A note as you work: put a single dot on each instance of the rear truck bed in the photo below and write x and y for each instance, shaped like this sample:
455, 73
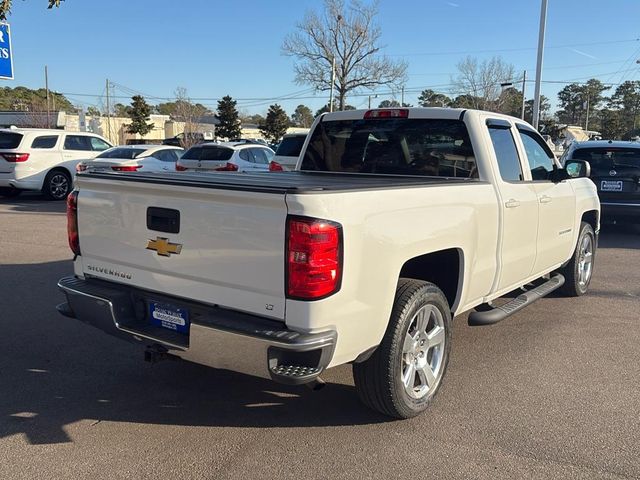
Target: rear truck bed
194, 266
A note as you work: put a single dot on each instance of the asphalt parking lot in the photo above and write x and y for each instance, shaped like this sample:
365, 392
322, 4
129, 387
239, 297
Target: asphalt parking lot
552, 392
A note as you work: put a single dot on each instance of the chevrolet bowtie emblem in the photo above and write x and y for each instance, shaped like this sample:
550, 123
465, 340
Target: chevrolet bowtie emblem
164, 247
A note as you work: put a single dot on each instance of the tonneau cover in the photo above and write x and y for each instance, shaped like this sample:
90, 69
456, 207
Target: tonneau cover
281, 182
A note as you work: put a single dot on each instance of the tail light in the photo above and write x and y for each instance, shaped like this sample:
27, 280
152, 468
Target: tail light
72, 222
127, 168
387, 113
314, 258
16, 157
81, 167
229, 167
275, 167
180, 168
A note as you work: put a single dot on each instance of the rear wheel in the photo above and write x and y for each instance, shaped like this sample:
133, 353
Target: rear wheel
9, 192
579, 270
402, 376
57, 185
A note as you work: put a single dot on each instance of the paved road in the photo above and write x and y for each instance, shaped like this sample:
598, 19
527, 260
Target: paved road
553, 392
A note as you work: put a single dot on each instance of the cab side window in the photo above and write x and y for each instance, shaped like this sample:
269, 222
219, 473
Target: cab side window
506, 152
540, 158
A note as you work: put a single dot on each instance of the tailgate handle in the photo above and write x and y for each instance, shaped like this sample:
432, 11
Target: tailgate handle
163, 220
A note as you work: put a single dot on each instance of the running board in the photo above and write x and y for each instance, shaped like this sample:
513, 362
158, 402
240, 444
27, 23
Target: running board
496, 314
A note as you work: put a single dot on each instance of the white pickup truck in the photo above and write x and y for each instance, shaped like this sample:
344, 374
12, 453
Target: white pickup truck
395, 221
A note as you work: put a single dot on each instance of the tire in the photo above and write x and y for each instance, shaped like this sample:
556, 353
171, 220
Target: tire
9, 192
379, 379
578, 272
57, 185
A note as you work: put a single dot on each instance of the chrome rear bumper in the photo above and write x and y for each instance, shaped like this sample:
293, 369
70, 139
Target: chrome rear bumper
217, 337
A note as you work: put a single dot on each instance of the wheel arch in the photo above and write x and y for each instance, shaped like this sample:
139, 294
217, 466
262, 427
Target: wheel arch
592, 217
60, 168
443, 268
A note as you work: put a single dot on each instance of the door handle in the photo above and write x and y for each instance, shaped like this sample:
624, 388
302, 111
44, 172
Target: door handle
545, 199
512, 203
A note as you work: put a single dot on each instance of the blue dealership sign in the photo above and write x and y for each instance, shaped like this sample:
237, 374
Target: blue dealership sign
6, 58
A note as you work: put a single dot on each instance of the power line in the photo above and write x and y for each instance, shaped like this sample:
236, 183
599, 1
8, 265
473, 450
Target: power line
555, 67
469, 52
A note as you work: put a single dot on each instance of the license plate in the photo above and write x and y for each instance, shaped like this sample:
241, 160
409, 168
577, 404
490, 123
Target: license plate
169, 317
611, 185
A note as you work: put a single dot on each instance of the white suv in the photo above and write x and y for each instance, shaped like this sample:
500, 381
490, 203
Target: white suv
45, 160
243, 157
289, 150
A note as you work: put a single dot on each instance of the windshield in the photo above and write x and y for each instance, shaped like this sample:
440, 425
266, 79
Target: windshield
208, 153
393, 146
603, 157
127, 153
291, 146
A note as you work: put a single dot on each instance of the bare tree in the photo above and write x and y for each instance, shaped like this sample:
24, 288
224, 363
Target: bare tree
481, 81
348, 34
189, 113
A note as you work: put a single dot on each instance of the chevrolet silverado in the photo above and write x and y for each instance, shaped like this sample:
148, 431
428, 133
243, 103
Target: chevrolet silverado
394, 221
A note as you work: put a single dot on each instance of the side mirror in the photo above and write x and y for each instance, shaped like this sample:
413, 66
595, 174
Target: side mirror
577, 168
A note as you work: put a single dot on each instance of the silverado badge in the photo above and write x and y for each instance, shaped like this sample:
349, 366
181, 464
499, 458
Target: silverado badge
164, 247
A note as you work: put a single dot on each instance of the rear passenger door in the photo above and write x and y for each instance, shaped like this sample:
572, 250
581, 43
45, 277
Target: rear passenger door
76, 148
163, 160
556, 203
261, 160
519, 206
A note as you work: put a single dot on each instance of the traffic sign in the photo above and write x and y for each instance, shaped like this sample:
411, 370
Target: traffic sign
6, 57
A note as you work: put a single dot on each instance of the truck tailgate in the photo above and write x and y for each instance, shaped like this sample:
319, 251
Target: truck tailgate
228, 250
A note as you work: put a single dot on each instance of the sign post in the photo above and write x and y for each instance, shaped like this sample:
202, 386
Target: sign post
6, 55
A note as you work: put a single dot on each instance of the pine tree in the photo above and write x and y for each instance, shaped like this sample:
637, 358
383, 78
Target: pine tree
302, 116
276, 124
139, 112
229, 126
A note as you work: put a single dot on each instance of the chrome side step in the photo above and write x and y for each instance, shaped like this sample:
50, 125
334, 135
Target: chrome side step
496, 314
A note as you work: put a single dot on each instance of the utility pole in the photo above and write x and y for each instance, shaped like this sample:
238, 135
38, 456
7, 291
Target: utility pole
524, 85
108, 111
333, 80
536, 98
46, 86
402, 97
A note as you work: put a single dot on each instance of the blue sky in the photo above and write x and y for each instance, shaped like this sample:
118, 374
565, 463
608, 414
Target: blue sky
215, 48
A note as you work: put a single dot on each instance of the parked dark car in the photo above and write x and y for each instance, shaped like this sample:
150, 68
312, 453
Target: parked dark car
615, 169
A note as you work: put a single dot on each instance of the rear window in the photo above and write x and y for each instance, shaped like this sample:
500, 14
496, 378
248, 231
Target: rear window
394, 146
208, 153
10, 139
127, 153
609, 157
291, 146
